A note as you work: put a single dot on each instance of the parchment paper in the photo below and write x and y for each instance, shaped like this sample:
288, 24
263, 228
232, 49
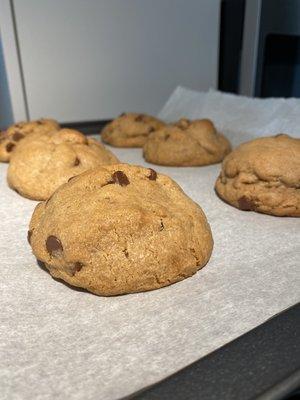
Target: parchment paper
60, 343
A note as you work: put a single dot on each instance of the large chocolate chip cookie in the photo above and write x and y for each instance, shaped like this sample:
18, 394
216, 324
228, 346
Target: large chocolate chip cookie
130, 130
263, 175
10, 138
120, 229
186, 143
41, 163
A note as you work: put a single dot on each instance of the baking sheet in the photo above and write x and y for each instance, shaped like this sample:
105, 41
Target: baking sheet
62, 343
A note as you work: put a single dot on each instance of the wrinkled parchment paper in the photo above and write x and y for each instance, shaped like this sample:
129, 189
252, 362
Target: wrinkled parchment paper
61, 343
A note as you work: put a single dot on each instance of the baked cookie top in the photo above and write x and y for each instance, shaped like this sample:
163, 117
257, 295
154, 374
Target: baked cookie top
120, 229
12, 135
42, 162
130, 130
186, 143
263, 175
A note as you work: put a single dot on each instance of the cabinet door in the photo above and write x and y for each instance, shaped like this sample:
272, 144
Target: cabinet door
92, 59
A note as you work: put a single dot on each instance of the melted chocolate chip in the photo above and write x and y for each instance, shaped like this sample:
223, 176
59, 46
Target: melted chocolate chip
17, 136
74, 268
76, 162
53, 245
77, 267
139, 118
29, 234
126, 253
9, 147
246, 204
120, 178
153, 175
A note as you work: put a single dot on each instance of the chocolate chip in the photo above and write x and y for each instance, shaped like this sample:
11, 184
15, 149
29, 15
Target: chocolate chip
153, 175
77, 267
29, 234
246, 204
76, 162
9, 147
151, 129
167, 136
120, 178
53, 245
139, 118
73, 268
126, 253
39, 122
17, 136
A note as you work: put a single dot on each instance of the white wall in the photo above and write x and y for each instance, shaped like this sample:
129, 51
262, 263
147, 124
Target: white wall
12, 99
92, 59
6, 114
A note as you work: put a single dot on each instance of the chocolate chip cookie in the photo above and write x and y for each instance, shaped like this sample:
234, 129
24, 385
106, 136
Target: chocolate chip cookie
120, 229
263, 175
12, 136
130, 130
41, 163
186, 143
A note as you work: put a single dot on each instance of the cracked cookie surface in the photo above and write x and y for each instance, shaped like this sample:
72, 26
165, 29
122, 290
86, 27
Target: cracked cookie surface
263, 175
41, 163
130, 130
120, 229
11, 137
186, 143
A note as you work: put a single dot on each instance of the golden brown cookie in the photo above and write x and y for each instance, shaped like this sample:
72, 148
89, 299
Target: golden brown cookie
41, 163
263, 175
12, 136
186, 143
130, 130
120, 229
